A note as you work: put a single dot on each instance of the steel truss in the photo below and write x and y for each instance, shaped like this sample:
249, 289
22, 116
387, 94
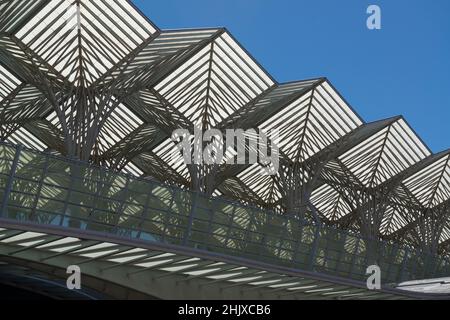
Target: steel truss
98, 82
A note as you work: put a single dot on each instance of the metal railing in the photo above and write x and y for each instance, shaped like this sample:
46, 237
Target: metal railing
44, 189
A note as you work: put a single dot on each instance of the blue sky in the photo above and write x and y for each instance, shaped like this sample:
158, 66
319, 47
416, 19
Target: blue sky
404, 68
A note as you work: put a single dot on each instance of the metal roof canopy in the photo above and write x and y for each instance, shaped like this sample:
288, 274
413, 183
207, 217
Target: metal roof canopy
98, 81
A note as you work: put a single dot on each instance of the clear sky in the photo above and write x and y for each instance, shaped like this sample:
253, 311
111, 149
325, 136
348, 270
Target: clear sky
404, 68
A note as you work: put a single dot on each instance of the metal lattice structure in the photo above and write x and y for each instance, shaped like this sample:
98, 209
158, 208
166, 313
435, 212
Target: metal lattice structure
98, 82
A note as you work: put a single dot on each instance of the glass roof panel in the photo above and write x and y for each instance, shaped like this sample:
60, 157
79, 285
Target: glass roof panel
25, 236
8, 83
385, 154
431, 185
132, 169
84, 39
168, 47
312, 123
393, 220
216, 82
264, 186
306, 126
25, 138
26, 103
169, 153
330, 203
14, 12
119, 125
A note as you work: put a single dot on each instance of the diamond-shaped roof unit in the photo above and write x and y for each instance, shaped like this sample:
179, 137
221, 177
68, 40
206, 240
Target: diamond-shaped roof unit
97, 81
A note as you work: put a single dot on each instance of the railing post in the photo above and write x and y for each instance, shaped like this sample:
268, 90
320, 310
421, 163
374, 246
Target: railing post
144, 214
394, 254
122, 201
299, 241
316, 236
315, 247
401, 275
341, 252
414, 265
283, 234
72, 172
434, 272
230, 226
40, 186
187, 235
10, 182
355, 253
